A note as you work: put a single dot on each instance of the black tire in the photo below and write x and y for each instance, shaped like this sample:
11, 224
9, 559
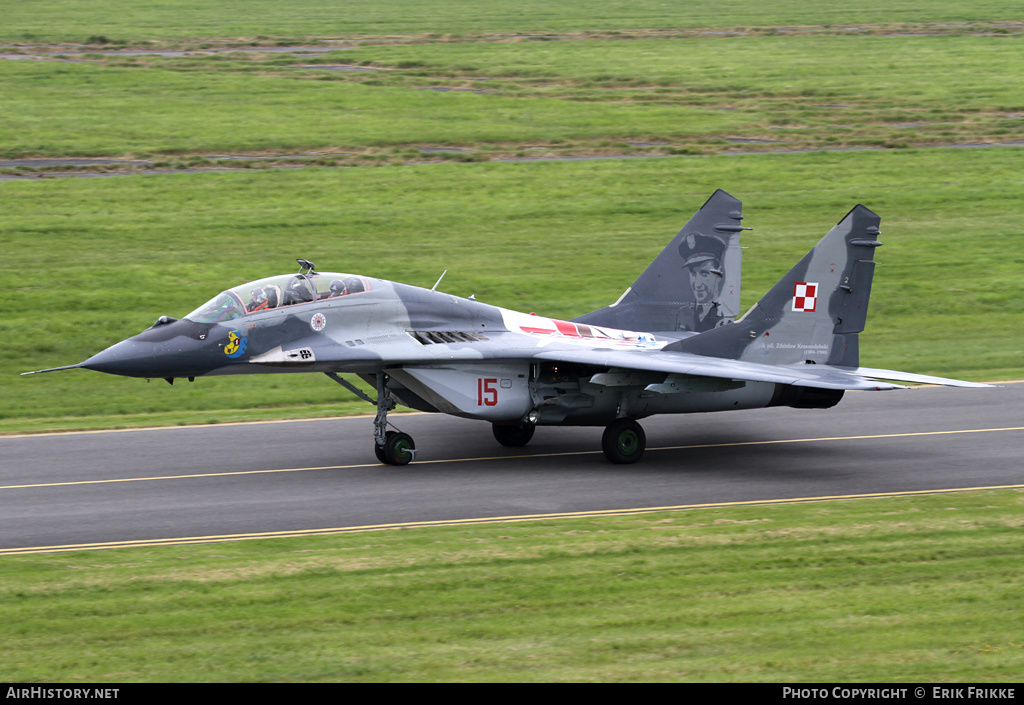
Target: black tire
623, 442
398, 449
379, 450
513, 436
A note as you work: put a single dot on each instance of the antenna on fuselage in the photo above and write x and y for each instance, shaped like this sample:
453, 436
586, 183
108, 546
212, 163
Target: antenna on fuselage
434, 288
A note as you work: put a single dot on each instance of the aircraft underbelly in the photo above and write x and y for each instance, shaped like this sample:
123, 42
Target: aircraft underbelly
595, 405
492, 392
752, 395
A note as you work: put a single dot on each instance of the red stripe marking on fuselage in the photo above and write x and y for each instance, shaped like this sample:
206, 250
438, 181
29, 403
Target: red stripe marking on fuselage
566, 328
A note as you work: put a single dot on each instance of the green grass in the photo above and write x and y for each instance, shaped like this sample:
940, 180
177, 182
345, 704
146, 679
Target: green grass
82, 110
906, 70
103, 258
919, 589
692, 93
126, 21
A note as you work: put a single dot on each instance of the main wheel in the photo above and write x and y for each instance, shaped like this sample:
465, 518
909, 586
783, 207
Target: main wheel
513, 436
399, 449
623, 441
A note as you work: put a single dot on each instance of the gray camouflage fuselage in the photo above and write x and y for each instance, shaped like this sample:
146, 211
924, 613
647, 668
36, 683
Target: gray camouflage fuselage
441, 352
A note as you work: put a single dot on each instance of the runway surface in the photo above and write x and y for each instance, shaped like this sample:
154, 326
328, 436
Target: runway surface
86, 490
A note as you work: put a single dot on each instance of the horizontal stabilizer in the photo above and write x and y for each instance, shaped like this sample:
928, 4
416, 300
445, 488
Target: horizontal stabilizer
896, 375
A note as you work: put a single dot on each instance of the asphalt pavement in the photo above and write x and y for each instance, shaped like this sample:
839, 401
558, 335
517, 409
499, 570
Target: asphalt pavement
240, 481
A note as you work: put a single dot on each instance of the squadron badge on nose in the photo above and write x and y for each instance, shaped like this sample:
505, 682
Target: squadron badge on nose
236, 344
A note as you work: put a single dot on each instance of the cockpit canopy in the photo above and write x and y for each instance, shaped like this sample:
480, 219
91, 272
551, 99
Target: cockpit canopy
276, 292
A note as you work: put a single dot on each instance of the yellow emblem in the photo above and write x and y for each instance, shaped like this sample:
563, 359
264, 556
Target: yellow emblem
236, 344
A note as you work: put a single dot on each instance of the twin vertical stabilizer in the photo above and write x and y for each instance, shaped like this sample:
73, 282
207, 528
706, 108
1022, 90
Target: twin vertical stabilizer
814, 313
693, 285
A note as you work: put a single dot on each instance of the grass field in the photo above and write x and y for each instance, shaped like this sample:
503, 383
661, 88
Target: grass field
215, 112
919, 589
905, 590
128, 21
694, 95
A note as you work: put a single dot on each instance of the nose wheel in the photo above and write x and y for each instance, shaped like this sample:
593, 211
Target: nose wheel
398, 449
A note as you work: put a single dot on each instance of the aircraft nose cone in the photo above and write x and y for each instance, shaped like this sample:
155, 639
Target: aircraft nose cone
124, 358
171, 350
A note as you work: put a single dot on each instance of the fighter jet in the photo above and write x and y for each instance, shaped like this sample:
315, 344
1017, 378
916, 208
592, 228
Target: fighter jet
670, 344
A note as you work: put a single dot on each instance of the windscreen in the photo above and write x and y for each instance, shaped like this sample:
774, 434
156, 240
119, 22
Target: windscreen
223, 307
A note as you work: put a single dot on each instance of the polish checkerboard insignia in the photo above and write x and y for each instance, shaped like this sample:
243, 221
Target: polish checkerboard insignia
805, 296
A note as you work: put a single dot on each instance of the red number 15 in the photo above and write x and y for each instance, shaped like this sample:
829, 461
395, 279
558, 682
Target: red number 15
486, 392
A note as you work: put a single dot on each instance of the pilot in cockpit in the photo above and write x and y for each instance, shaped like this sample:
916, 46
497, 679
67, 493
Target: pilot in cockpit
258, 300
298, 292
350, 285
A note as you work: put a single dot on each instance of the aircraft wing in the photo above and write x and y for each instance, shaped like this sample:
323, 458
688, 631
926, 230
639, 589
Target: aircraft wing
800, 375
509, 346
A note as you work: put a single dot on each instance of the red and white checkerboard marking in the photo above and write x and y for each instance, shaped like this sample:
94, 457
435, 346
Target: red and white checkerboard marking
805, 296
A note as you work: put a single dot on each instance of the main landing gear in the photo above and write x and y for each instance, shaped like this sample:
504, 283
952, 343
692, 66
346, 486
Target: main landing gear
623, 441
513, 436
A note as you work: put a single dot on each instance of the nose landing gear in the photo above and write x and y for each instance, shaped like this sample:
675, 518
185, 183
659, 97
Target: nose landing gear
390, 447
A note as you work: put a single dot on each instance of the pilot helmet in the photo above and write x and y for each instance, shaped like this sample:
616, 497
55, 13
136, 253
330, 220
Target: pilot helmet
354, 285
338, 288
259, 295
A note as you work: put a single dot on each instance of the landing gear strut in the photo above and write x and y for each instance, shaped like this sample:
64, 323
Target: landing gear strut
623, 441
390, 447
